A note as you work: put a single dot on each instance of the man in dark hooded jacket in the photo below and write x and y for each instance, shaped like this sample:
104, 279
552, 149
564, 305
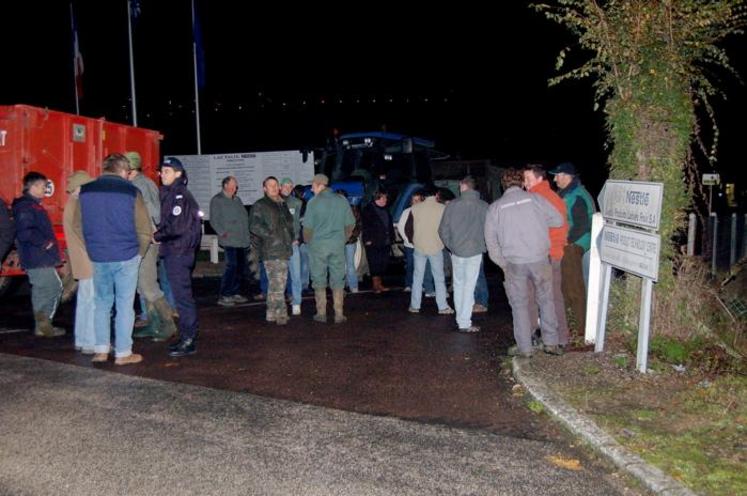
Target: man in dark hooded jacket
39, 252
179, 234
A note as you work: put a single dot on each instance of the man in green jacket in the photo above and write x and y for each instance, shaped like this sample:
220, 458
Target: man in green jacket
230, 221
271, 223
327, 225
574, 265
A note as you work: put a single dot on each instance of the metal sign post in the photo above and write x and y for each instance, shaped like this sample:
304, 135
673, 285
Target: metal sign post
602, 324
644, 324
711, 180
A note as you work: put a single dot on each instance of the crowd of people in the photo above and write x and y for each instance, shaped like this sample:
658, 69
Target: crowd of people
126, 235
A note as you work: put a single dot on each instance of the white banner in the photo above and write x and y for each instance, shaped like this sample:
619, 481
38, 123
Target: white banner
206, 172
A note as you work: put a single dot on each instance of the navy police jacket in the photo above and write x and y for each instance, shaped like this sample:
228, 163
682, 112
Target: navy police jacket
179, 231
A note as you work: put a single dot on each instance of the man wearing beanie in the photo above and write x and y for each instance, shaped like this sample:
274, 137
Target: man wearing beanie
160, 323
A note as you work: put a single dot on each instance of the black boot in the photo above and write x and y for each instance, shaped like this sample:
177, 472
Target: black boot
183, 348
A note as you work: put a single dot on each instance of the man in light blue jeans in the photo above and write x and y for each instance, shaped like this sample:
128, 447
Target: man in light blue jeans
351, 273
462, 230
437, 269
295, 205
85, 307
465, 271
422, 228
115, 283
294, 270
114, 223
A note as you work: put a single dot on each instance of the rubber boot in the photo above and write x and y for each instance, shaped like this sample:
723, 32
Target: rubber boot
320, 295
150, 329
43, 327
338, 297
167, 327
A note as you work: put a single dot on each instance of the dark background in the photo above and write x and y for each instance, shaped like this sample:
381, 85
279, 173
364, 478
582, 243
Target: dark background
472, 77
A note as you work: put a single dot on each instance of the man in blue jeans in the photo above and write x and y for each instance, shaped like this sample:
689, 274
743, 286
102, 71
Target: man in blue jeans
294, 264
481, 291
462, 232
422, 228
117, 230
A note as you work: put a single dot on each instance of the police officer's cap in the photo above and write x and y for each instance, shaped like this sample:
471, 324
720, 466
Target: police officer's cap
173, 162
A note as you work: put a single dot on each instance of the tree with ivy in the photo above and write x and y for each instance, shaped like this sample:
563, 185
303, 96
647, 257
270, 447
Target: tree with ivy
654, 66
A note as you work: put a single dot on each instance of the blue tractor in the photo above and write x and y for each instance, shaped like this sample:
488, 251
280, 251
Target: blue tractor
363, 162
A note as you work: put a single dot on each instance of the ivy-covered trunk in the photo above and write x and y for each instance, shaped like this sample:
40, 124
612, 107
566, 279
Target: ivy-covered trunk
648, 61
651, 135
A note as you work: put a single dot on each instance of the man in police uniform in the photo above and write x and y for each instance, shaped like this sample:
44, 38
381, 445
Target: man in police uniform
327, 225
179, 234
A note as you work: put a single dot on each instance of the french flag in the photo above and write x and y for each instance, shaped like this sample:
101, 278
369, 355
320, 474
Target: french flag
77, 60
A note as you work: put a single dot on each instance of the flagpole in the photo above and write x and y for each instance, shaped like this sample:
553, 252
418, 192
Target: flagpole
132, 65
75, 62
197, 89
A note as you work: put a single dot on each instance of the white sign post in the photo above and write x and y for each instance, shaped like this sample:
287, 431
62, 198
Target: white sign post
593, 289
629, 242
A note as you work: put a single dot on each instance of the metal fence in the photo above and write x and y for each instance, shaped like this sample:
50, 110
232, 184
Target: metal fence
722, 240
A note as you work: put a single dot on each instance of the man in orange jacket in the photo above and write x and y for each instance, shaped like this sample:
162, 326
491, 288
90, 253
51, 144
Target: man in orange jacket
535, 181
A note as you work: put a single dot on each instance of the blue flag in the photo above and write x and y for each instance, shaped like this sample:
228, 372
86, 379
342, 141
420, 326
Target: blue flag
134, 10
199, 49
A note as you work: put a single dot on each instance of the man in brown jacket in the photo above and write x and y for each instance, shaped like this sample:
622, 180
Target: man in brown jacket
80, 265
422, 228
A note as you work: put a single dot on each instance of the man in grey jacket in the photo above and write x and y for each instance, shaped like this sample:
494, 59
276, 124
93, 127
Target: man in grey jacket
160, 322
462, 232
229, 219
518, 240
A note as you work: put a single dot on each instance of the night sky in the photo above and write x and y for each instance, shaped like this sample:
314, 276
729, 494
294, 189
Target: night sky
471, 77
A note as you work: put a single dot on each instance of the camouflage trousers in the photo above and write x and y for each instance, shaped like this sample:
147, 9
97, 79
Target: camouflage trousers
277, 275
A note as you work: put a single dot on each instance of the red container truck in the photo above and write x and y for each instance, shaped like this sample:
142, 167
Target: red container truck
56, 144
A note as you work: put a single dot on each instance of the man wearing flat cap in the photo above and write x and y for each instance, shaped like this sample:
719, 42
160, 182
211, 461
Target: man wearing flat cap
327, 226
160, 323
